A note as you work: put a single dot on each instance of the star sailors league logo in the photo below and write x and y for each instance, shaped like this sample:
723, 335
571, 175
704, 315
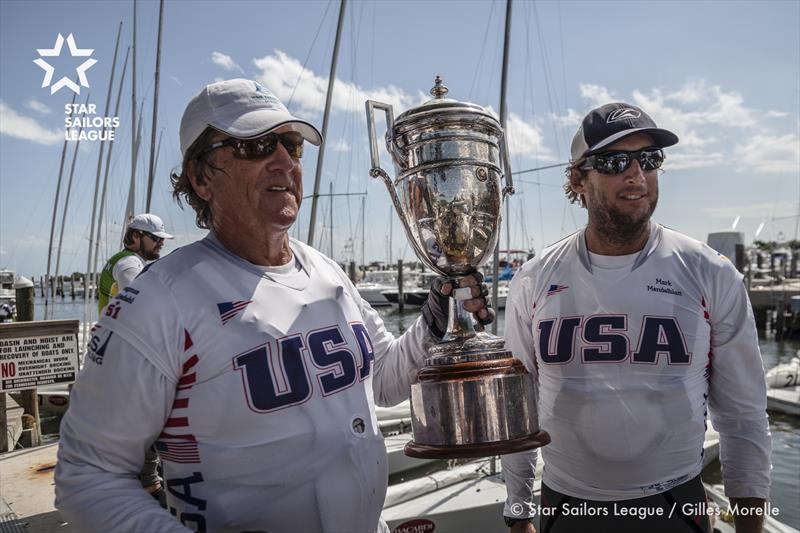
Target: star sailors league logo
74, 51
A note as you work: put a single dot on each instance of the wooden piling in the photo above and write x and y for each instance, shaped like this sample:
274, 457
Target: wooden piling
351, 271
400, 296
29, 401
3, 423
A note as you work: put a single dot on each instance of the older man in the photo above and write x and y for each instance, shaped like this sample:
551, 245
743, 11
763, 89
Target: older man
634, 332
248, 357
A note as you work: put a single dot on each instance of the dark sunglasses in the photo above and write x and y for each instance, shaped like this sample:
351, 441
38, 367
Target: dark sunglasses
262, 147
620, 161
157, 240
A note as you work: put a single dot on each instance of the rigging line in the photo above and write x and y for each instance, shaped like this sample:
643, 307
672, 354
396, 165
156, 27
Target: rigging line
482, 50
537, 183
308, 56
537, 169
372, 48
563, 62
498, 54
547, 75
529, 62
355, 37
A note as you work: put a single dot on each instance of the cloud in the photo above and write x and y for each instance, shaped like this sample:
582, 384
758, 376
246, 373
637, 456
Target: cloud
15, 125
771, 154
570, 120
225, 61
340, 145
681, 160
525, 138
36, 105
751, 210
596, 94
306, 91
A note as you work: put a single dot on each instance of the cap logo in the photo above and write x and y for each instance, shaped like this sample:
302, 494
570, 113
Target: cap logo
267, 97
623, 114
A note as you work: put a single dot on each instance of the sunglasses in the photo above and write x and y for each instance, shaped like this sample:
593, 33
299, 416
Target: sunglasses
157, 240
620, 161
262, 147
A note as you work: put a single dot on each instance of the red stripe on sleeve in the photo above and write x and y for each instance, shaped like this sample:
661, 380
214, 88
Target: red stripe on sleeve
190, 363
180, 403
180, 421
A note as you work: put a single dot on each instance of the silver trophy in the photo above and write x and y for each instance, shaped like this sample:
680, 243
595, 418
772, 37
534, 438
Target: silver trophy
472, 398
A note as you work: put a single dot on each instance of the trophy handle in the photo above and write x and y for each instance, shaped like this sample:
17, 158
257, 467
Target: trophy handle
376, 171
508, 190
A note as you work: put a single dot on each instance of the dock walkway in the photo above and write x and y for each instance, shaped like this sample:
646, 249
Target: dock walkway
26, 492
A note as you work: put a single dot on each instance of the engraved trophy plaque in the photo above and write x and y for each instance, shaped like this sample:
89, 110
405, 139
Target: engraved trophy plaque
472, 398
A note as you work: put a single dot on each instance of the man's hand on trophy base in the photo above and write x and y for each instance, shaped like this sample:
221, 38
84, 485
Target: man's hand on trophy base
470, 289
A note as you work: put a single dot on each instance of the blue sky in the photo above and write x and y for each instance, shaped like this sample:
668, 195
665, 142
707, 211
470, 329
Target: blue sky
723, 75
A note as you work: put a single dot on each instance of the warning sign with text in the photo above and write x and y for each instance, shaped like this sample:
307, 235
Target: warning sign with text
33, 354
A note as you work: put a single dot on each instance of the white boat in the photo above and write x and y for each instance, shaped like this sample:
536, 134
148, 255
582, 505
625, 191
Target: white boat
7, 293
784, 375
785, 400
468, 497
411, 284
374, 284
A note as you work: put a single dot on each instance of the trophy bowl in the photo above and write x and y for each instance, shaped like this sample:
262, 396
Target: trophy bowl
472, 398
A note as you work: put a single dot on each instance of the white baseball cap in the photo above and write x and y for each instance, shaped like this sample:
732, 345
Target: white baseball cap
150, 223
241, 108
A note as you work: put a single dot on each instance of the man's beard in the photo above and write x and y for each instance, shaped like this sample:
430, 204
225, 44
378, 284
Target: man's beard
149, 255
618, 228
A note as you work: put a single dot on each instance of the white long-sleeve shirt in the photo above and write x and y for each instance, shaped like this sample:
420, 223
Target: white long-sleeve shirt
256, 386
628, 366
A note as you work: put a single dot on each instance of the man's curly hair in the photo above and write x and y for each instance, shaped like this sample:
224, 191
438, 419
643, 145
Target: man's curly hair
574, 175
200, 164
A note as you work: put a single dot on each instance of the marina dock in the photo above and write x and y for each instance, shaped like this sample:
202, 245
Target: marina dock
26, 498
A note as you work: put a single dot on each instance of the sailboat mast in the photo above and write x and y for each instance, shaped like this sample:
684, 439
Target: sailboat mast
66, 199
503, 123
100, 215
329, 95
53, 221
87, 286
151, 172
134, 129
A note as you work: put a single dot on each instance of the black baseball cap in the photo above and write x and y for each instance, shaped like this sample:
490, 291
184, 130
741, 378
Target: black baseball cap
609, 123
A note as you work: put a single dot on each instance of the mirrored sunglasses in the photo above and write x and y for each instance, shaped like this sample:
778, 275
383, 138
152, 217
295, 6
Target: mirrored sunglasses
262, 147
152, 237
621, 160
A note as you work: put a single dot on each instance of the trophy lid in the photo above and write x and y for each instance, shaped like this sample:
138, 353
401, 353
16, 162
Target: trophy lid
441, 106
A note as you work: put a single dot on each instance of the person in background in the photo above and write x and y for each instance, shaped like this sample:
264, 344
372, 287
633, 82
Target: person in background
634, 333
143, 240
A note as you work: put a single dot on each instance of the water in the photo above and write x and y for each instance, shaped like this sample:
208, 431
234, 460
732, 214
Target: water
785, 492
